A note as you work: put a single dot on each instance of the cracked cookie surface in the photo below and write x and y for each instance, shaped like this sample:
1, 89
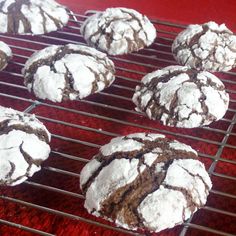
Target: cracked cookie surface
145, 181
23, 146
118, 31
31, 16
5, 55
209, 47
71, 72
181, 97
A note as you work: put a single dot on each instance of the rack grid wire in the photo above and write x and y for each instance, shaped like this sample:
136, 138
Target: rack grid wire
79, 128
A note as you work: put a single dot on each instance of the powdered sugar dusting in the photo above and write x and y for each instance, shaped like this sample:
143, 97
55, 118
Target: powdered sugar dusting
188, 172
182, 97
162, 209
19, 118
64, 77
118, 31
88, 170
181, 146
21, 152
40, 55
48, 84
167, 206
172, 187
128, 143
120, 144
206, 47
32, 17
121, 172
149, 158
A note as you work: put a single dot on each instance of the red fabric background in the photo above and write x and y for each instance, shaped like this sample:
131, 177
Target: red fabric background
181, 11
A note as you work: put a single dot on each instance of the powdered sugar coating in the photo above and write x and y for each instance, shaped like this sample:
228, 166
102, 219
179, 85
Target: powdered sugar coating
5, 55
119, 173
41, 55
181, 97
168, 204
66, 72
23, 146
181, 146
119, 144
114, 179
123, 144
88, 170
195, 179
118, 31
206, 47
32, 16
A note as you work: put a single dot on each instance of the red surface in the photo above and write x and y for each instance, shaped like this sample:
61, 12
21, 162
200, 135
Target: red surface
182, 11
176, 11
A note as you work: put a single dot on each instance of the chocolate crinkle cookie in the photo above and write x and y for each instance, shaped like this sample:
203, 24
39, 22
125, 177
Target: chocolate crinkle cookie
71, 72
145, 181
209, 47
31, 16
5, 55
182, 97
118, 31
23, 146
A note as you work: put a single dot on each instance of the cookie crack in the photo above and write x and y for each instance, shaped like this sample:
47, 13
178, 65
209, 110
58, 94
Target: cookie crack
57, 22
137, 19
1, 7
109, 36
10, 173
152, 86
148, 146
106, 160
199, 176
28, 158
69, 88
123, 203
44, 19
15, 16
97, 79
102, 30
171, 117
191, 204
194, 176
5, 128
157, 112
194, 40
221, 40
60, 53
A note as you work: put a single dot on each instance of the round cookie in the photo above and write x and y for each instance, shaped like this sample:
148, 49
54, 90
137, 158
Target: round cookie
118, 31
5, 55
182, 97
209, 47
145, 181
23, 146
31, 16
71, 72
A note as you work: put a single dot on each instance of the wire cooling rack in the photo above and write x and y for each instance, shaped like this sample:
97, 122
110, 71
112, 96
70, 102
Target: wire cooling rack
79, 128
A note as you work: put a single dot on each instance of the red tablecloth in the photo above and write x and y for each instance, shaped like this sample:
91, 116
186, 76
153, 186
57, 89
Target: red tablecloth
182, 11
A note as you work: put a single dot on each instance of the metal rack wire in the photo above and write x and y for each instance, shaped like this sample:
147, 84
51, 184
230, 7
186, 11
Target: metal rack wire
114, 108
